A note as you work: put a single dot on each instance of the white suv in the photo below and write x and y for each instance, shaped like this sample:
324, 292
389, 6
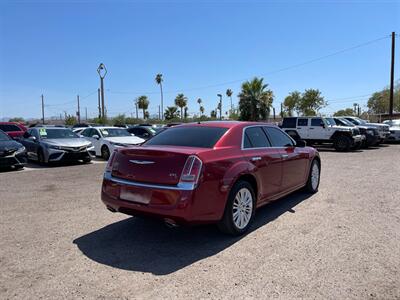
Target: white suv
319, 130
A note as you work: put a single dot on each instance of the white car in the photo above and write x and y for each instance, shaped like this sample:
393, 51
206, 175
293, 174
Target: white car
394, 130
106, 139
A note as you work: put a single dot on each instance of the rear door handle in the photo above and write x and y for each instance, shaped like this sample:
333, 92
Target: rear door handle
256, 158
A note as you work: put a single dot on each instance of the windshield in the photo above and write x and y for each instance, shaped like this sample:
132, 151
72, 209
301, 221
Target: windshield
330, 121
346, 122
48, 133
199, 137
3, 136
114, 132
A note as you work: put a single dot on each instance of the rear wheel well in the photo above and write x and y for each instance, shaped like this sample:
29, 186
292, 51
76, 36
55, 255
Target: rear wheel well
250, 179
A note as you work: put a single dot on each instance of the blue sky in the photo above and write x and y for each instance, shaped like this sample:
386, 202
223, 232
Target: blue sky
201, 47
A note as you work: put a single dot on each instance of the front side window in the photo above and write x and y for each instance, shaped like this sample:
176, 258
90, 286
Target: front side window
9, 127
302, 122
289, 123
316, 122
194, 136
114, 132
255, 138
278, 137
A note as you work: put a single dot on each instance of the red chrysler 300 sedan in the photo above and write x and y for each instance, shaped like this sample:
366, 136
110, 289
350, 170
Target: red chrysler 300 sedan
209, 172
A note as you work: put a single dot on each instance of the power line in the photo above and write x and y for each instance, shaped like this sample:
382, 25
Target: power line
264, 74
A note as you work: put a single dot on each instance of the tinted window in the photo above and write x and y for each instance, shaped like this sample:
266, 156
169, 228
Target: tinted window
289, 123
278, 138
256, 138
114, 132
46, 133
302, 122
202, 137
9, 127
316, 122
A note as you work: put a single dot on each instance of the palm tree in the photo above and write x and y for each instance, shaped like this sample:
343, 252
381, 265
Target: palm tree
159, 81
181, 102
255, 100
143, 103
171, 113
229, 94
201, 110
199, 101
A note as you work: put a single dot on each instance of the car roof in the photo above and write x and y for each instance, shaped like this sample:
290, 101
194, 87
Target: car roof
225, 124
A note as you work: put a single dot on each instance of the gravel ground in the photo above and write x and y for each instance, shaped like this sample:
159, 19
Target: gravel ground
59, 241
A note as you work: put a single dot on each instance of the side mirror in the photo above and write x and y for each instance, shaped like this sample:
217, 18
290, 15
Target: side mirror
301, 143
96, 137
32, 138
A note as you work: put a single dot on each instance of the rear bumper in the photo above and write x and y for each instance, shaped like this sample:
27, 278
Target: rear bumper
157, 201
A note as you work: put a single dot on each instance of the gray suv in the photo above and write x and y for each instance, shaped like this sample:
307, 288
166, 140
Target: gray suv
53, 144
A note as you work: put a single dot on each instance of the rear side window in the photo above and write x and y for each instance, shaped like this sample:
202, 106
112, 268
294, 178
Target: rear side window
196, 136
278, 138
302, 122
9, 127
316, 122
289, 123
255, 138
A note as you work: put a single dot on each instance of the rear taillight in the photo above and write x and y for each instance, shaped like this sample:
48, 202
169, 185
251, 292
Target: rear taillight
110, 162
192, 170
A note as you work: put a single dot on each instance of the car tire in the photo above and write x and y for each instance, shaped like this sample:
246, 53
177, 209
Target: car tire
239, 210
87, 160
313, 177
342, 143
105, 152
40, 157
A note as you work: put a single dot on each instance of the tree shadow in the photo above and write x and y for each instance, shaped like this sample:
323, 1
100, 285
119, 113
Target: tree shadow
145, 245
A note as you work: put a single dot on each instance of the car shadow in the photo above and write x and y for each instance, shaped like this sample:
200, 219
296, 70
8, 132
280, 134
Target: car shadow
145, 245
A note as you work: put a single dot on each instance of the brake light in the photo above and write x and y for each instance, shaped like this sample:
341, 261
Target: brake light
192, 170
110, 162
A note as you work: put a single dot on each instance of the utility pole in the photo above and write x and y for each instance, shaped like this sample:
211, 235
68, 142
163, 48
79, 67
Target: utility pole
86, 114
391, 78
136, 107
358, 110
159, 112
220, 106
281, 110
42, 109
273, 110
99, 105
79, 110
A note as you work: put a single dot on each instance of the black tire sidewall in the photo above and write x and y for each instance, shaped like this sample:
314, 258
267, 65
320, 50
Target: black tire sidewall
104, 149
309, 184
345, 139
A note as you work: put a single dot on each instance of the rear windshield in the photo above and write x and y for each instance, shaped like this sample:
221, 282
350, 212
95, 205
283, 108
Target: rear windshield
199, 137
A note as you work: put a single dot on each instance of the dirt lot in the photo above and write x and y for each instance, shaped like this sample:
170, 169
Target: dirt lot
59, 241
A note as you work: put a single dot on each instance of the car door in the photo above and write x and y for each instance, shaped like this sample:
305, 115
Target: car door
267, 161
30, 144
295, 159
88, 134
302, 127
317, 129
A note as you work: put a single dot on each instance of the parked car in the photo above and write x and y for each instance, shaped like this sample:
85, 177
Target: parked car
14, 129
54, 144
382, 128
12, 153
318, 130
394, 130
371, 134
106, 139
211, 172
144, 132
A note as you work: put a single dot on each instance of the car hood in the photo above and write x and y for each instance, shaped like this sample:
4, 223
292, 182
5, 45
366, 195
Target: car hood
132, 140
72, 142
379, 125
9, 145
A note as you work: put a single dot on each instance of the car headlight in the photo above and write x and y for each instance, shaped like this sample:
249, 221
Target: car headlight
118, 144
20, 150
369, 131
53, 147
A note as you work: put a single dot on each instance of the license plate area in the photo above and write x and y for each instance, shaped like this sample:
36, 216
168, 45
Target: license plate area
133, 195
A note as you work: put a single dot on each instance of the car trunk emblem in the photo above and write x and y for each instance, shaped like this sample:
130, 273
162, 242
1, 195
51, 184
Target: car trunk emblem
142, 162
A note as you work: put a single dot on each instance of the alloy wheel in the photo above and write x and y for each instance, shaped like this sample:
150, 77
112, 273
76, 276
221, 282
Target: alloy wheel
242, 208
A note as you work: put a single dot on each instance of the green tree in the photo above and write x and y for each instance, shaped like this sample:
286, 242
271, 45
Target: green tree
213, 114
344, 112
171, 113
199, 101
311, 102
378, 103
143, 104
159, 81
70, 120
119, 120
181, 102
291, 102
255, 100
201, 110
17, 119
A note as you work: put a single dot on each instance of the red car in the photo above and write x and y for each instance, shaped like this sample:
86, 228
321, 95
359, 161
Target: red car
13, 129
211, 172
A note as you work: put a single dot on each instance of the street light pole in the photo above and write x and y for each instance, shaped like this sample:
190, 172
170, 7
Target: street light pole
42, 109
102, 71
79, 110
220, 106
